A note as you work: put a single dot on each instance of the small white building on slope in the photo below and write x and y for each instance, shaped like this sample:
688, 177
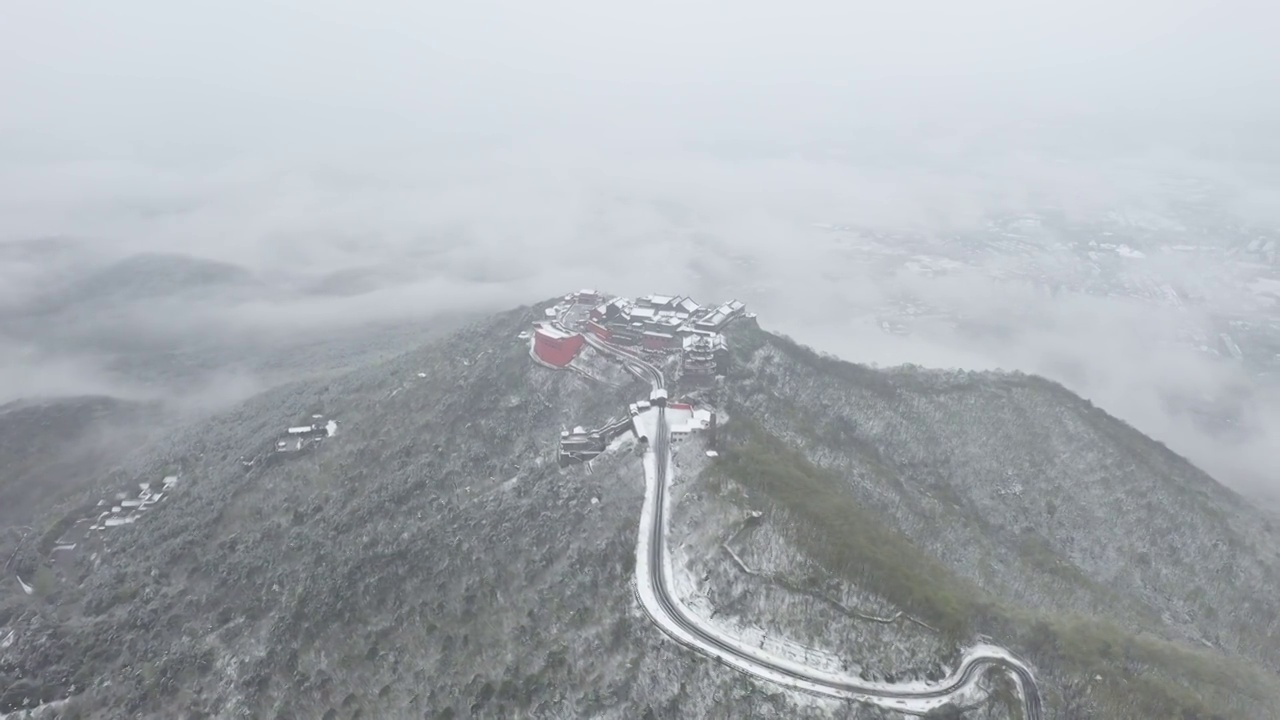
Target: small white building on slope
682, 420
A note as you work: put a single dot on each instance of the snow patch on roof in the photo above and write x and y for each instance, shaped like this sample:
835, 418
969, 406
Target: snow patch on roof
553, 332
646, 423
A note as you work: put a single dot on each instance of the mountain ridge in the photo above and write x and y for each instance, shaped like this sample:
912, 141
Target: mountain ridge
1026, 536
437, 535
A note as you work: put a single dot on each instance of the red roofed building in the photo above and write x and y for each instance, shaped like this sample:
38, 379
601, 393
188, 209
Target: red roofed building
599, 330
554, 346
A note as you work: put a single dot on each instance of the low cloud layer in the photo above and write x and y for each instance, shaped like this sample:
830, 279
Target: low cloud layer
390, 164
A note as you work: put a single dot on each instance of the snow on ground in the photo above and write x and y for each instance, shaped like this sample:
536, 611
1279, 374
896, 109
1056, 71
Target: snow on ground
757, 656
754, 635
646, 424
622, 442
49, 710
1265, 287
649, 601
754, 659
691, 592
598, 366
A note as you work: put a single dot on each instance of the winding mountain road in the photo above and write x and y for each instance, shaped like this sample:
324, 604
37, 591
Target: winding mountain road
655, 587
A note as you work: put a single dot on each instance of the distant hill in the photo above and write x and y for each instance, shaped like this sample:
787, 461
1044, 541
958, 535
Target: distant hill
51, 449
151, 276
39, 266
43, 249
353, 281
141, 295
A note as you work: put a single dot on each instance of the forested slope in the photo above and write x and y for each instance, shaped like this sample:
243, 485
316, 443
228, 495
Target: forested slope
1003, 504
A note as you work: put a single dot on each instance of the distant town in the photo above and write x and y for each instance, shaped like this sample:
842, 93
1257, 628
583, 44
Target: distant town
660, 329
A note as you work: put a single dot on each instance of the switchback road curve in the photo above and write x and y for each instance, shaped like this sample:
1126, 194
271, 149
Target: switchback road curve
654, 586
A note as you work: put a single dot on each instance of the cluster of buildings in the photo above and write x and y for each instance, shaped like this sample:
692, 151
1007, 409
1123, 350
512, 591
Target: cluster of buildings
654, 325
289, 443
85, 530
659, 322
126, 510
580, 445
683, 420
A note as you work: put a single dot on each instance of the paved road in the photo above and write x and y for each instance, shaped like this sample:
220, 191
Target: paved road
682, 626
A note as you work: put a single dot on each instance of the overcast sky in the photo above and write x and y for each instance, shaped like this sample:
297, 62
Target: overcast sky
151, 106
466, 153
160, 77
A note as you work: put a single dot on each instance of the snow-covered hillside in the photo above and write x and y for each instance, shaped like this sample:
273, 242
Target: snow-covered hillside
431, 559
